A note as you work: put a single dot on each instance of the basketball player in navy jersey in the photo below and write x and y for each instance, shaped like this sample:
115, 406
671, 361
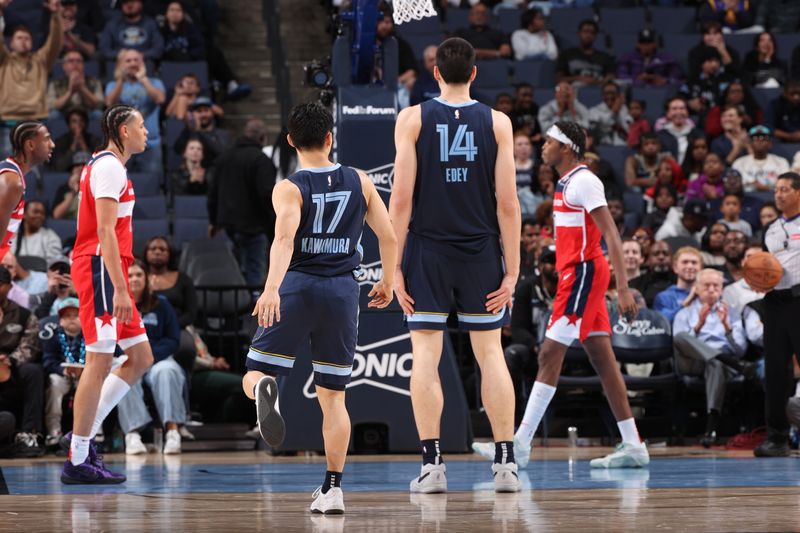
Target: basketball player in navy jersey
456, 215
311, 295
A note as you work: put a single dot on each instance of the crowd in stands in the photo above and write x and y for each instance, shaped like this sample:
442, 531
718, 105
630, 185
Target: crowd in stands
63, 64
688, 140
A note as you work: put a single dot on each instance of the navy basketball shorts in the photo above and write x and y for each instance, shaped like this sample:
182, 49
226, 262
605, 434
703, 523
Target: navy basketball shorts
435, 278
317, 312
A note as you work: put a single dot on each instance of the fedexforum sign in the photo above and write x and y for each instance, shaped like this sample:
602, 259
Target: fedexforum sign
375, 363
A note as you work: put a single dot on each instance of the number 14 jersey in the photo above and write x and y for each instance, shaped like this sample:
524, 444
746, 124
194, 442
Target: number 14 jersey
327, 242
454, 192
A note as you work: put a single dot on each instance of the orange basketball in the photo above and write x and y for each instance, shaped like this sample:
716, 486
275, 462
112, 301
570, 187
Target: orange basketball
762, 271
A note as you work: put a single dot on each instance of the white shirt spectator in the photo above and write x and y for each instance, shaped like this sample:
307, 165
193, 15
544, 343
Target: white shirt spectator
764, 171
740, 225
738, 294
529, 45
549, 114
603, 121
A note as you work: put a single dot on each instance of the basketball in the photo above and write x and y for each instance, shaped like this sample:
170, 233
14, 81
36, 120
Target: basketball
762, 271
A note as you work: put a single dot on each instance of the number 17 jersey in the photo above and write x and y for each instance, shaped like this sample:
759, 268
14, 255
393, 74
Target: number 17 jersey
454, 193
327, 242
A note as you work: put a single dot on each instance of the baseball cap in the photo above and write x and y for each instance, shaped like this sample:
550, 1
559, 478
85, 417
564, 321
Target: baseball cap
67, 303
201, 101
5, 275
647, 36
696, 207
548, 254
755, 131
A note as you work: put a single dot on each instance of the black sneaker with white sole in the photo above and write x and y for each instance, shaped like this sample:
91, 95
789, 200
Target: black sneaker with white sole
270, 421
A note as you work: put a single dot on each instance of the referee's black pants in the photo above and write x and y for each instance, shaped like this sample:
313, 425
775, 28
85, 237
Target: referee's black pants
781, 341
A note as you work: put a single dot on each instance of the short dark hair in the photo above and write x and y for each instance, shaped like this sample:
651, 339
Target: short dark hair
527, 17
309, 124
642, 103
711, 25
23, 131
503, 95
22, 28
523, 85
794, 177
575, 134
455, 59
730, 194
528, 221
588, 22
649, 136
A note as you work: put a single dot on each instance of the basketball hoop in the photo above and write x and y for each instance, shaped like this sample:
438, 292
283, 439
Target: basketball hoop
408, 10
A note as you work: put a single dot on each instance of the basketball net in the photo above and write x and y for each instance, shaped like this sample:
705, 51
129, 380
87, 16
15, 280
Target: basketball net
408, 10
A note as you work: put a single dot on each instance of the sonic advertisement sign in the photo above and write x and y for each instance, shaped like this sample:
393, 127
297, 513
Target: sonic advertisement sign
378, 392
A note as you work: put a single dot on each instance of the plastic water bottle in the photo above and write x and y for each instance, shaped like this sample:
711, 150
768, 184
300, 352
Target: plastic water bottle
572, 436
158, 439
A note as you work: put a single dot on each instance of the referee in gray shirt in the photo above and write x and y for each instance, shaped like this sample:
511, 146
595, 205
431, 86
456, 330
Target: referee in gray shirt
782, 315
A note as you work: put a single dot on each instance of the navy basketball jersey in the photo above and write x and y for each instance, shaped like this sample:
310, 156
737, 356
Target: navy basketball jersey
327, 242
454, 194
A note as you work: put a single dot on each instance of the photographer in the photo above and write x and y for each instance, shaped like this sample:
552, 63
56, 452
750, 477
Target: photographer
59, 288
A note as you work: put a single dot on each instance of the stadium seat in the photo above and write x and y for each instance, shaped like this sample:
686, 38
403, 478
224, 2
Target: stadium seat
678, 45
537, 72
543, 95
426, 25
615, 155
633, 203
221, 303
201, 245
654, 98
208, 261
741, 42
456, 19
622, 19
673, 19
786, 150
64, 228
493, 73
144, 229
679, 242
565, 21
51, 182
509, 20
420, 41
186, 206
765, 96
488, 96
150, 207
590, 95
32, 187
623, 44
171, 71
786, 43
188, 229
145, 184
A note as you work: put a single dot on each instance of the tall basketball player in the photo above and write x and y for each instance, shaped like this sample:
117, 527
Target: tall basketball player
31, 145
581, 218
455, 211
311, 296
100, 260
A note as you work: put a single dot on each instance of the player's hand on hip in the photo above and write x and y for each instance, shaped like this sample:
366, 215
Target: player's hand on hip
381, 295
268, 308
626, 304
123, 308
403, 298
503, 296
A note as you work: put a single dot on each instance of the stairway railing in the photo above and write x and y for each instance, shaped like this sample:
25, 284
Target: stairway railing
271, 14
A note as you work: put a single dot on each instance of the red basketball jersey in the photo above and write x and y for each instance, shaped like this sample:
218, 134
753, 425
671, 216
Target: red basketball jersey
11, 166
577, 236
104, 176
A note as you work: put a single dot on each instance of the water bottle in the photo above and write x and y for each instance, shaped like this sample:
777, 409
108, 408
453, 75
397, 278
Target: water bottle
158, 439
572, 436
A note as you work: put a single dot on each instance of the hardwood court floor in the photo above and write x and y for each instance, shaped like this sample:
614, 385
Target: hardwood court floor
684, 489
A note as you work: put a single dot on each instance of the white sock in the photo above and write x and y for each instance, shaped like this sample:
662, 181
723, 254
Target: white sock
540, 398
628, 430
79, 449
114, 390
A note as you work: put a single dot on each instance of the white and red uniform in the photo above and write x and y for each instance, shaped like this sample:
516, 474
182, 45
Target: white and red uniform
9, 165
579, 308
104, 176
